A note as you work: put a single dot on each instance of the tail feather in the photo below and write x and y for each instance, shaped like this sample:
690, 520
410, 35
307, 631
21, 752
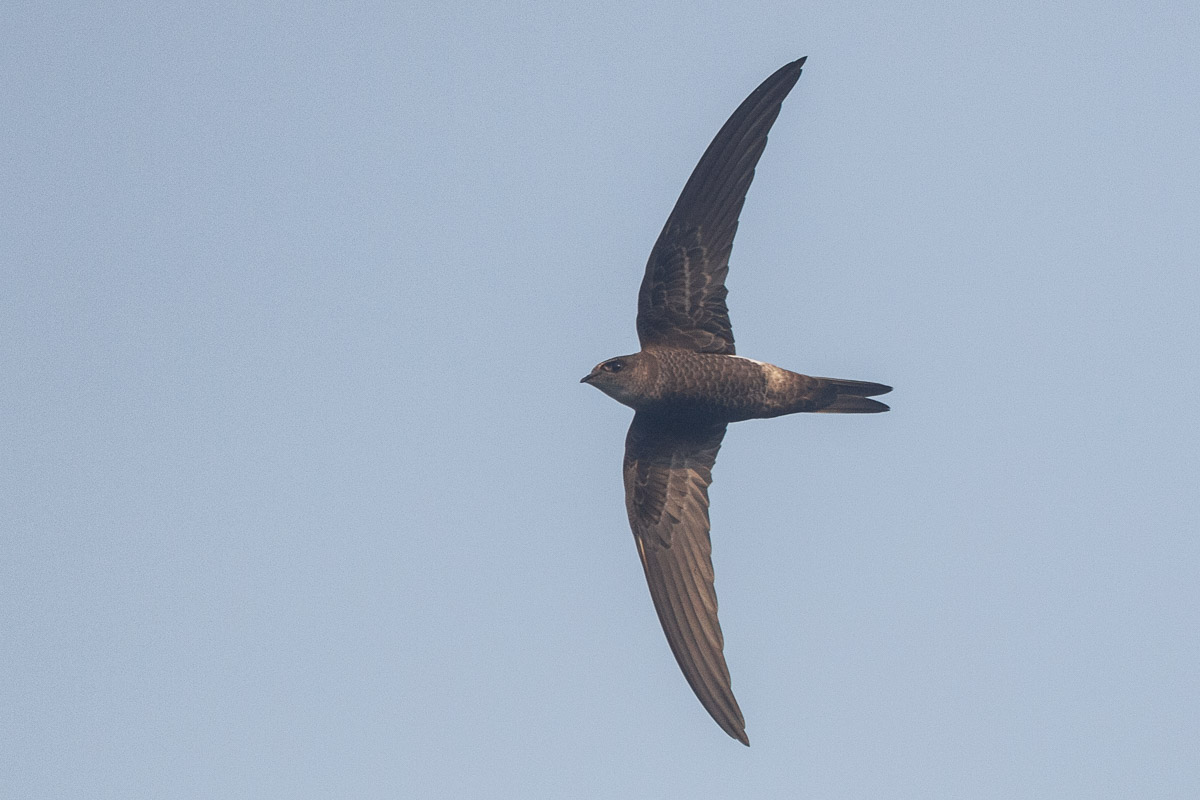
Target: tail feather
853, 397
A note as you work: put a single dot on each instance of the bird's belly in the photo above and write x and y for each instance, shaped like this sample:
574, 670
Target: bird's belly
728, 388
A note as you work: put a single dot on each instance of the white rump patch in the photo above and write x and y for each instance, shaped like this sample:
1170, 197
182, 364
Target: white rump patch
777, 377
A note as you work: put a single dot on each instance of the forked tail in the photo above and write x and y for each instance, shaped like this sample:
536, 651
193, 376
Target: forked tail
854, 397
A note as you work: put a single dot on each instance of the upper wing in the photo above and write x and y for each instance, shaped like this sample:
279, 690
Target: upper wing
682, 299
668, 467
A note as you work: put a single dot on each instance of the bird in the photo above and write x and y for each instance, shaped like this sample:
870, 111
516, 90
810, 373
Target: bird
686, 385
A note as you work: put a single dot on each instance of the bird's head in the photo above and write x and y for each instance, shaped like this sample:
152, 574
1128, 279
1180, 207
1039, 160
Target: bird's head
621, 378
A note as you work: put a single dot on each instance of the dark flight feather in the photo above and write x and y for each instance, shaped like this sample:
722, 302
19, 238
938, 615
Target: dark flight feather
668, 468
681, 302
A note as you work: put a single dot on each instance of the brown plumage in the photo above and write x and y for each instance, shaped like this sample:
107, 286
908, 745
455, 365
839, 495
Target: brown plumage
686, 384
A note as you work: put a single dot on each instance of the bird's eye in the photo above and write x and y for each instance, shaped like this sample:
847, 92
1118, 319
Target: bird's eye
614, 366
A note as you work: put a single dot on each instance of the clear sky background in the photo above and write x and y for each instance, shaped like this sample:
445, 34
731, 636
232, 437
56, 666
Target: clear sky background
301, 496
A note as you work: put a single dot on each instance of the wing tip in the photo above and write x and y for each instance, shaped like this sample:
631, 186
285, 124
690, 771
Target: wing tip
794, 66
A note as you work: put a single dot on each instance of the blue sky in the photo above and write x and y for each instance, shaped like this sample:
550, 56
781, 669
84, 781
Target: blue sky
302, 496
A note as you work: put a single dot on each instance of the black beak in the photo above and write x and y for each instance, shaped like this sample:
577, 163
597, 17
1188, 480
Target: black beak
587, 377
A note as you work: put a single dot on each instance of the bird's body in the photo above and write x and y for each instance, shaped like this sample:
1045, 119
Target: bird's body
687, 384
723, 388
